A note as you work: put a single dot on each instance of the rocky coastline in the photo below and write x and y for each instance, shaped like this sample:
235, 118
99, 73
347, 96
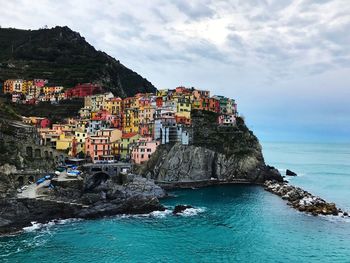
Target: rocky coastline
87, 198
230, 155
302, 200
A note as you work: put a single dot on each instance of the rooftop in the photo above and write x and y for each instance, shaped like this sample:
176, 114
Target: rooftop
129, 135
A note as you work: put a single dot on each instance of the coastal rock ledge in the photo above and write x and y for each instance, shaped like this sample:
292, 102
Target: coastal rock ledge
89, 197
303, 200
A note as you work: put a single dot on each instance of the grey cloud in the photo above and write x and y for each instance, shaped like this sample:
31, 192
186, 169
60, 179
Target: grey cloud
206, 50
194, 10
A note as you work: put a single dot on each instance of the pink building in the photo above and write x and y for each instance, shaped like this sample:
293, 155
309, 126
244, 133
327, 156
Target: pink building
98, 148
143, 150
40, 82
43, 123
227, 119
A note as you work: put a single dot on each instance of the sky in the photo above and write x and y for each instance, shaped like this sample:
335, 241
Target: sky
286, 62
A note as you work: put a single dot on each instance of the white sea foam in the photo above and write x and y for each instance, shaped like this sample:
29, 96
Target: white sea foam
66, 221
282, 170
192, 211
338, 218
160, 214
35, 226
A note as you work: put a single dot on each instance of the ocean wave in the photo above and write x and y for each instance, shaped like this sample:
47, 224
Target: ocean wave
160, 214
35, 226
163, 214
192, 211
38, 226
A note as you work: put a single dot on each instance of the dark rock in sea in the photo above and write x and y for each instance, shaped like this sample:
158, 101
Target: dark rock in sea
180, 208
345, 214
290, 173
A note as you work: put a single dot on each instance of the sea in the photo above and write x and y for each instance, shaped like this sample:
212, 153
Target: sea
231, 223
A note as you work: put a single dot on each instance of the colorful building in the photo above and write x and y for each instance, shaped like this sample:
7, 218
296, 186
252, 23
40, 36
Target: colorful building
227, 120
184, 107
98, 148
131, 120
123, 147
115, 106
64, 142
83, 90
142, 150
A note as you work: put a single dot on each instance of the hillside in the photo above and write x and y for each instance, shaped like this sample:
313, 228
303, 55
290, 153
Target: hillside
64, 58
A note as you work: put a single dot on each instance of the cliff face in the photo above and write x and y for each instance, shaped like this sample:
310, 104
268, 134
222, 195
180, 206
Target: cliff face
7, 185
218, 154
18, 148
64, 58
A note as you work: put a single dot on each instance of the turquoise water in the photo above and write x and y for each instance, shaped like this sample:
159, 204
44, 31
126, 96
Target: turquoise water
323, 169
229, 224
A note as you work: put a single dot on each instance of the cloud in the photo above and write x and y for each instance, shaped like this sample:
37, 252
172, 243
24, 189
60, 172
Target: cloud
253, 50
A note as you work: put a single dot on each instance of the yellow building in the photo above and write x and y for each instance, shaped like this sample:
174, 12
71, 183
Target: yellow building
98, 102
8, 86
64, 142
184, 108
131, 120
80, 135
32, 90
51, 90
123, 146
115, 106
162, 92
113, 134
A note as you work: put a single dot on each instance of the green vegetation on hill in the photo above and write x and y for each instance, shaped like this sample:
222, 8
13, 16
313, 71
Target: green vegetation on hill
55, 112
7, 111
230, 140
64, 58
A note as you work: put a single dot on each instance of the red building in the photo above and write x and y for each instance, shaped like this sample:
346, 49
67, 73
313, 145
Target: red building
159, 102
182, 120
83, 90
45, 123
214, 105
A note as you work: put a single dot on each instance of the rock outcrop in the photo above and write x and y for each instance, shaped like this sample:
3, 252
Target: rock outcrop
180, 208
303, 200
217, 155
290, 173
135, 195
7, 185
192, 163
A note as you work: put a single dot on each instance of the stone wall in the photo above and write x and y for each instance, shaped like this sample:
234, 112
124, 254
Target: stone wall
19, 146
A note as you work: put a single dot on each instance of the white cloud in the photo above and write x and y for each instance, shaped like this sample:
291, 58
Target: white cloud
249, 49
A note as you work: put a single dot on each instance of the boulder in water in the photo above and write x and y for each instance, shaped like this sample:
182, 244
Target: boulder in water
290, 173
180, 208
